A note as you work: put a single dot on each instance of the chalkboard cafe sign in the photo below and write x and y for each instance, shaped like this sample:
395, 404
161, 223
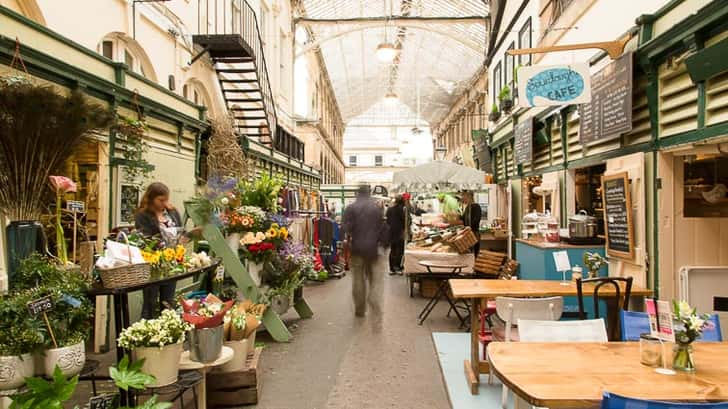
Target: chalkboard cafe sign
554, 85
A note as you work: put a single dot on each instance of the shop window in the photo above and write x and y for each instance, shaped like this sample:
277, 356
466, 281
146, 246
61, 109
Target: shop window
107, 49
524, 41
378, 161
120, 48
509, 61
706, 186
497, 72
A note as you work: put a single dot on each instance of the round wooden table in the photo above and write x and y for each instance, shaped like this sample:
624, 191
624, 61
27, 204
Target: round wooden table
185, 363
442, 289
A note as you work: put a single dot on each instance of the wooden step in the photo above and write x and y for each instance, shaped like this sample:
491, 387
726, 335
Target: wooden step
251, 126
250, 118
233, 60
240, 90
245, 109
238, 81
239, 100
235, 70
235, 389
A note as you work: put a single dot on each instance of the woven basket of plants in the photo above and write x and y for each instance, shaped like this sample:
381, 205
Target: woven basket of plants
125, 275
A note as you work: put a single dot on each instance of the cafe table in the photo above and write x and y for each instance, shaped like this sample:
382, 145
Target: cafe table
479, 289
573, 375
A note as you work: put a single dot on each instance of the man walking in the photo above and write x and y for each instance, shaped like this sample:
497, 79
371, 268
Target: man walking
396, 219
368, 234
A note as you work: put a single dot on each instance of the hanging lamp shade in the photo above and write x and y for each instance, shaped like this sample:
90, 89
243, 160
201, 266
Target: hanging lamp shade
386, 52
390, 98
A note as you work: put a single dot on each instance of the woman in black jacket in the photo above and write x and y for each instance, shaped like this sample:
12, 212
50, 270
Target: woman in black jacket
157, 217
396, 222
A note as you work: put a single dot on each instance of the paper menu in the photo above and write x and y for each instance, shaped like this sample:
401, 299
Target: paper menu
661, 324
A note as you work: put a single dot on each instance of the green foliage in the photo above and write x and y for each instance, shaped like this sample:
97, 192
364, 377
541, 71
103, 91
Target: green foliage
45, 394
18, 334
505, 93
494, 109
263, 192
130, 133
151, 404
129, 375
40, 270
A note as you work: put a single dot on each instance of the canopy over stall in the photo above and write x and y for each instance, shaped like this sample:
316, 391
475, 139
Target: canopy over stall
438, 176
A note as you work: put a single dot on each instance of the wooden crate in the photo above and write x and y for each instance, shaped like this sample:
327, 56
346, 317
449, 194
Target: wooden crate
236, 389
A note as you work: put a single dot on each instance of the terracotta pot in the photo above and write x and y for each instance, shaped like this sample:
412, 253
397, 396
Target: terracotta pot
14, 370
162, 363
70, 359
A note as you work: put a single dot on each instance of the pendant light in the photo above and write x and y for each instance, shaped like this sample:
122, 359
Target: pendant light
391, 98
386, 51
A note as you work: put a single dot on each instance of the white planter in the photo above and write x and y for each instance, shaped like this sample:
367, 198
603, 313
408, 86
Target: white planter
233, 241
280, 304
14, 370
240, 350
162, 363
254, 269
70, 359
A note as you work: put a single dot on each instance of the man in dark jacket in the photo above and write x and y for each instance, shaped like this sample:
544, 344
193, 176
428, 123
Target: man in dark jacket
396, 219
364, 226
471, 217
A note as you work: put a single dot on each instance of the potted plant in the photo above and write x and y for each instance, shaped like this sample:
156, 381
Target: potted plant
39, 130
505, 99
241, 323
206, 318
495, 114
159, 343
594, 262
19, 338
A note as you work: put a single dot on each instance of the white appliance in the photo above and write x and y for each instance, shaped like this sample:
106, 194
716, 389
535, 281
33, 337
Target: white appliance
706, 289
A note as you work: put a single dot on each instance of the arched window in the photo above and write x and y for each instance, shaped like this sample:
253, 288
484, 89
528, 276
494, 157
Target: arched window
195, 92
121, 48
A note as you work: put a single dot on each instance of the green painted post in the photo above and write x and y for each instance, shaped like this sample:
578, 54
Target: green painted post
238, 272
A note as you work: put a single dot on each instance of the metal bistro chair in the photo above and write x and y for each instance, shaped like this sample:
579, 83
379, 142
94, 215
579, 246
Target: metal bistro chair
612, 317
612, 401
635, 324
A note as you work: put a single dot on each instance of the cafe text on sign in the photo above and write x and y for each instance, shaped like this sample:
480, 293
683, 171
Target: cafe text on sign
554, 85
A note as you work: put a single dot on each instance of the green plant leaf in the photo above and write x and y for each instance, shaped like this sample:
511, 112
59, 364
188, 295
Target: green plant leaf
45, 394
151, 404
126, 375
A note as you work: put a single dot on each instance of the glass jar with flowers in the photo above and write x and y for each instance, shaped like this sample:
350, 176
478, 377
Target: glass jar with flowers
689, 326
594, 262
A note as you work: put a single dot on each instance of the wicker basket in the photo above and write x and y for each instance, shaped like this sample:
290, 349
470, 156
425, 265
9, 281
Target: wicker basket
125, 276
463, 241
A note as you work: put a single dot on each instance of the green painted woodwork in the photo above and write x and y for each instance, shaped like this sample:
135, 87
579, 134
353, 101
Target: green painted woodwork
708, 62
302, 308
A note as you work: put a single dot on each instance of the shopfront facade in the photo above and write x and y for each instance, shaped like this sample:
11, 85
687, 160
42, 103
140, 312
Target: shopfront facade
677, 122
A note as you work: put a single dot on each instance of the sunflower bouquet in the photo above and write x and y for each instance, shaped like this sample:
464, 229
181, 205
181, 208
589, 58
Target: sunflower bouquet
259, 246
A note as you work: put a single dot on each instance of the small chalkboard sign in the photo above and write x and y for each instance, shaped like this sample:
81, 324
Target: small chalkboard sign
106, 401
618, 215
523, 142
75, 206
40, 305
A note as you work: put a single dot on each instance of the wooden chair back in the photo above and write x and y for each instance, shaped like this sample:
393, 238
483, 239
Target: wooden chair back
613, 303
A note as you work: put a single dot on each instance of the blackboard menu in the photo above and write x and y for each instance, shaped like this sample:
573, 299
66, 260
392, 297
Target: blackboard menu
609, 114
618, 215
523, 141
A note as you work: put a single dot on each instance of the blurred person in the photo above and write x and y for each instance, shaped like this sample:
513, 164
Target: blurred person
396, 219
368, 236
472, 213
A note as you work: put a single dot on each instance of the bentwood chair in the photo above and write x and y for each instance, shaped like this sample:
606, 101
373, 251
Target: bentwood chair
619, 302
612, 401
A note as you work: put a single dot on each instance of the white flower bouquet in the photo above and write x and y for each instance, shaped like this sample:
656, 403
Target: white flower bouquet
157, 333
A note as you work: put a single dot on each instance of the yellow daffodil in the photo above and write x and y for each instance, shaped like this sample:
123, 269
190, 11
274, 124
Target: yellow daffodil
169, 254
283, 232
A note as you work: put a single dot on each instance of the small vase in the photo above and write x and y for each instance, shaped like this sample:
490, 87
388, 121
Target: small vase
233, 241
593, 273
683, 358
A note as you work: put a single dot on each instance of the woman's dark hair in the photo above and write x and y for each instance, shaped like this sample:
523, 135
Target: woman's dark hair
153, 191
399, 200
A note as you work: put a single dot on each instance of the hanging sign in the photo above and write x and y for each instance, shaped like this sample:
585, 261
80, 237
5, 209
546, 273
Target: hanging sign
609, 114
618, 215
554, 85
523, 141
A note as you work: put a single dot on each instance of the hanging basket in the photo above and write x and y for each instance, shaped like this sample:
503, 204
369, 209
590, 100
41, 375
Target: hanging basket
126, 275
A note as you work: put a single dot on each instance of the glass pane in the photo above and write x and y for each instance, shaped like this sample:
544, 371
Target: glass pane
107, 49
128, 59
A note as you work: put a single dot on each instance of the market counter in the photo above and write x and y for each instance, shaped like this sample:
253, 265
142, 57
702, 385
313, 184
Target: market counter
537, 263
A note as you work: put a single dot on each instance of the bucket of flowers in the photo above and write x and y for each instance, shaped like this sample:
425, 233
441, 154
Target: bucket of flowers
240, 220
259, 247
241, 323
206, 318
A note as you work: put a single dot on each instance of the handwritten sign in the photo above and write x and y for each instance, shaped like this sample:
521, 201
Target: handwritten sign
106, 401
523, 142
40, 305
75, 206
554, 85
609, 114
618, 215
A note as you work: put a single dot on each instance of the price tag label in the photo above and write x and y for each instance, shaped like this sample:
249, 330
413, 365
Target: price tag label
75, 206
104, 402
40, 305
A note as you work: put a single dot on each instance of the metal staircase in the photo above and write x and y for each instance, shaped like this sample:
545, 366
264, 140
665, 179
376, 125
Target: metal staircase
228, 31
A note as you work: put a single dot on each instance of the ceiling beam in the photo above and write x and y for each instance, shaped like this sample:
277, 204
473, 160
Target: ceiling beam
394, 20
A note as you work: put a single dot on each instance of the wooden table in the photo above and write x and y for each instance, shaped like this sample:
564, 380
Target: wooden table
560, 375
185, 363
476, 290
